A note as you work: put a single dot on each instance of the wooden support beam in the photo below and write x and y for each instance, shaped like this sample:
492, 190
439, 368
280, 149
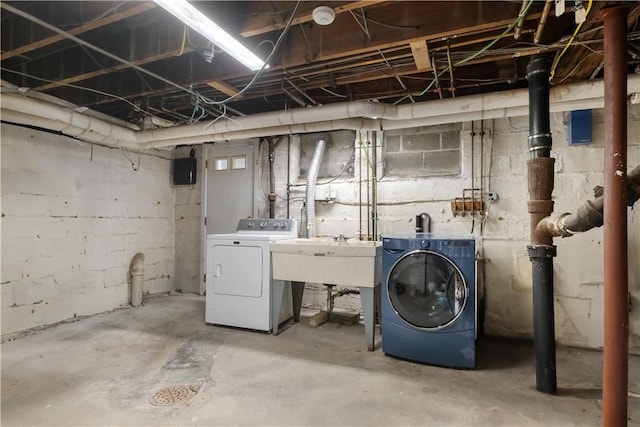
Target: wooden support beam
120, 67
420, 52
135, 10
264, 23
223, 87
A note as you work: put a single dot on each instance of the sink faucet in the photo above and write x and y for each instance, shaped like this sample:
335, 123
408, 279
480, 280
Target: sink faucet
340, 238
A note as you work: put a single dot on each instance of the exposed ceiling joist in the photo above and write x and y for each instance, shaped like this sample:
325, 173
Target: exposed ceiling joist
266, 21
420, 52
223, 87
97, 23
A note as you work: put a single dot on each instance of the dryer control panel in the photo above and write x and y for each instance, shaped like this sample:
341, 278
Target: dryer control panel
267, 225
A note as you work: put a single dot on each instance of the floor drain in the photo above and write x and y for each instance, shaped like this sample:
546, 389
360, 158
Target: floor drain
171, 395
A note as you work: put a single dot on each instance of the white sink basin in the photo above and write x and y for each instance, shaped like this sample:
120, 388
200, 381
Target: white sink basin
326, 260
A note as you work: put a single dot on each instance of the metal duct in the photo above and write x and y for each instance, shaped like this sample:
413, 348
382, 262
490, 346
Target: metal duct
312, 177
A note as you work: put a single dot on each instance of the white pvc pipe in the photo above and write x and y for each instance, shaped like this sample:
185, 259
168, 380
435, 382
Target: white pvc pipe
355, 115
137, 278
339, 111
355, 124
312, 176
81, 125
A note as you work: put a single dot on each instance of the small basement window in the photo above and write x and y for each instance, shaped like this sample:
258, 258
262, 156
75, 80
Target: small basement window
423, 151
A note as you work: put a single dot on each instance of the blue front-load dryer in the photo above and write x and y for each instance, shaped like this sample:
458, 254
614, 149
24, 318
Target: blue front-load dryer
429, 311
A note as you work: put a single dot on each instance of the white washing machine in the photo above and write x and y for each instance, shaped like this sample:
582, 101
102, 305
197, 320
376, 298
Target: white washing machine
240, 289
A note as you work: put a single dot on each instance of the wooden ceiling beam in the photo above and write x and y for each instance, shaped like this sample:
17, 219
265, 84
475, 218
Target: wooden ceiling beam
263, 23
420, 52
120, 67
325, 45
92, 25
224, 87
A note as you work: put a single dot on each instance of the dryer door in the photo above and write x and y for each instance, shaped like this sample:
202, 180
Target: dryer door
427, 290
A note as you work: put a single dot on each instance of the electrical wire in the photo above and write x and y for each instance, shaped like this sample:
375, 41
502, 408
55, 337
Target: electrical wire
573, 36
127, 155
346, 166
266, 61
521, 15
111, 95
102, 15
333, 93
184, 40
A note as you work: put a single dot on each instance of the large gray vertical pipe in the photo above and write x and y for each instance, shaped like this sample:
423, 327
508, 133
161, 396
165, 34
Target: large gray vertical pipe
541, 250
616, 286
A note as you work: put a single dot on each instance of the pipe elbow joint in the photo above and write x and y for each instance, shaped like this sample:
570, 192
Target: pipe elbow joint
552, 226
137, 264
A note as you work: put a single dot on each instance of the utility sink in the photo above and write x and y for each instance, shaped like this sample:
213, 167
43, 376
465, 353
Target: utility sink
348, 262
351, 263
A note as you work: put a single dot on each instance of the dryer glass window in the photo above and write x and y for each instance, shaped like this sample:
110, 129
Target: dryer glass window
426, 289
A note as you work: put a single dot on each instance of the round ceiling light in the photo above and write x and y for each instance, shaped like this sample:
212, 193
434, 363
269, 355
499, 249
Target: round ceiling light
323, 15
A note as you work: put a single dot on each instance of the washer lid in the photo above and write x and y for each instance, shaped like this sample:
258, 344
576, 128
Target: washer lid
427, 290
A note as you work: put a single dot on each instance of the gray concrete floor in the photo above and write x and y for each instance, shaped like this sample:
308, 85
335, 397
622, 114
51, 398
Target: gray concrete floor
102, 370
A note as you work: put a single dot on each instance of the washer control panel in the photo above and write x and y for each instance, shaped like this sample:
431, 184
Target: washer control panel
262, 225
453, 248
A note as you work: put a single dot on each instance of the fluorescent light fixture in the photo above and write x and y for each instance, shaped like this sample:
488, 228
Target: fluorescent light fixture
195, 19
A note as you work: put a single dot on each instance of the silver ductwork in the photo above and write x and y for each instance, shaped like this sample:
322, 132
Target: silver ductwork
312, 177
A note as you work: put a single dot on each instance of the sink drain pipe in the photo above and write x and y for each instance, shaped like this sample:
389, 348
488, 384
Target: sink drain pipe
137, 277
312, 177
541, 250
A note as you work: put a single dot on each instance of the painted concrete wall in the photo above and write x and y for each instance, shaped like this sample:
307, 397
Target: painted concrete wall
188, 247
503, 237
73, 216
64, 259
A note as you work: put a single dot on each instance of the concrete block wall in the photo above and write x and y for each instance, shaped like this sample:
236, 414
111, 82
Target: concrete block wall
73, 216
504, 234
188, 247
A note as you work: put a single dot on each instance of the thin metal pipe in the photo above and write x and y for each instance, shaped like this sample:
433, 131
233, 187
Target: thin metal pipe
368, 189
288, 175
272, 178
481, 166
616, 286
360, 183
543, 21
374, 195
518, 29
473, 176
435, 75
452, 87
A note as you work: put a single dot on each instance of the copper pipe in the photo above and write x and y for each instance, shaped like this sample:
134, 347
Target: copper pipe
518, 30
540, 183
616, 286
543, 21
